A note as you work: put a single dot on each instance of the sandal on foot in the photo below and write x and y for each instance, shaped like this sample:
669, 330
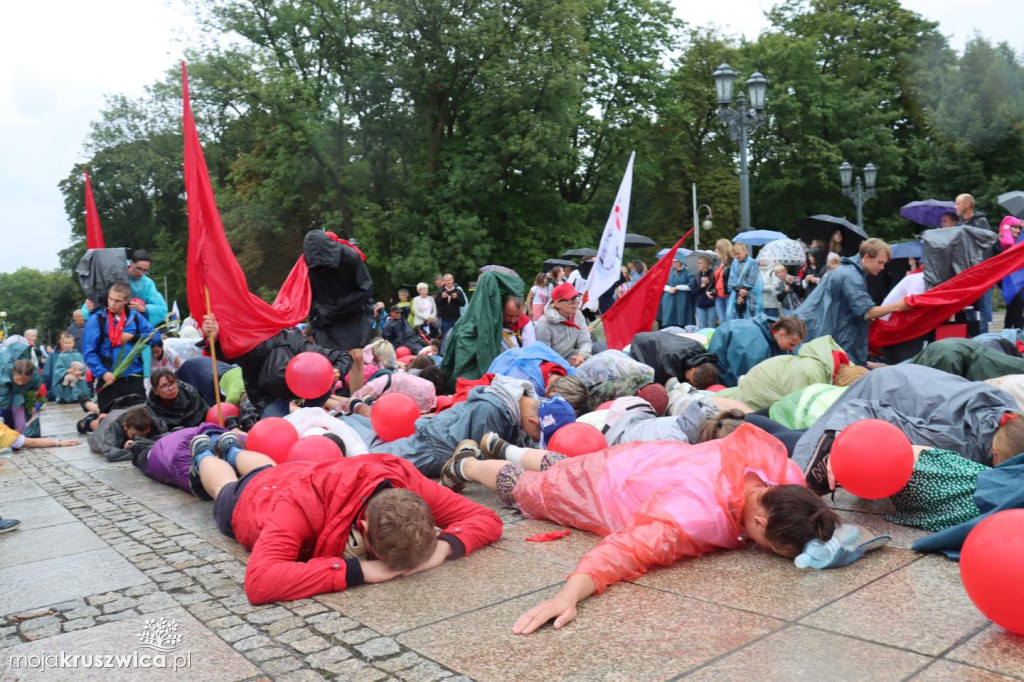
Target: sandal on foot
450, 477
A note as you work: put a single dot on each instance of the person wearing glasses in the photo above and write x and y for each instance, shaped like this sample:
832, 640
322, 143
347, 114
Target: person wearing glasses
176, 402
563, 327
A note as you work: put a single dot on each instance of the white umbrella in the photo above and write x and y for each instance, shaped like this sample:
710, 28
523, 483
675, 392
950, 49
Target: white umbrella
785, 251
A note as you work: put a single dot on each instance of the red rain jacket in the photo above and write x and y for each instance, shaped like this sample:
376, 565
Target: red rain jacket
296, 519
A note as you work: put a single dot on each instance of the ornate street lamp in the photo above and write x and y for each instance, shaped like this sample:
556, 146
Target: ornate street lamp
859, 193
742, 121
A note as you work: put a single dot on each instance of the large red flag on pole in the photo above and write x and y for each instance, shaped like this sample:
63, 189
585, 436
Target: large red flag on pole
245, 319
635, 312
93, 233
936, 305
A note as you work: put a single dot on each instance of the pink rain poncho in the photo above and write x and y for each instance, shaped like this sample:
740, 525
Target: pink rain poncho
655, 502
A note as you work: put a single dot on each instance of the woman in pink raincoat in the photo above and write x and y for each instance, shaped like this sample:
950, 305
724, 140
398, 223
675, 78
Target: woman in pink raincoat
653, 502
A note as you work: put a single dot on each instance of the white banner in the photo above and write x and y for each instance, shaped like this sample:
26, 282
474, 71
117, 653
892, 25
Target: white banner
606, 271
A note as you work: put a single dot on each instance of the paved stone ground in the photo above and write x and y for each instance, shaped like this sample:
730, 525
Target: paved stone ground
102, 550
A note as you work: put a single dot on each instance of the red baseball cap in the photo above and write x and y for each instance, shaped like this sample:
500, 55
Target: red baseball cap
564, 292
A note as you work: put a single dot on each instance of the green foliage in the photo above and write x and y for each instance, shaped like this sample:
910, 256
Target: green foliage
444, 134
39, 300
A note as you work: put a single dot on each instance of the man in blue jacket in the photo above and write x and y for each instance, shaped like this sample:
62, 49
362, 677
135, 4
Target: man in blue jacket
109, 336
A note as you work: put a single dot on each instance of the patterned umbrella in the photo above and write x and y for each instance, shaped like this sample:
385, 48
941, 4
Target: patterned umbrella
785, 251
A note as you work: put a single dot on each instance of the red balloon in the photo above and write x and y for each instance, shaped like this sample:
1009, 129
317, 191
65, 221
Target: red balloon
402, 351
226, 410
309, 375
605, 405
314, 448
273, 437
991, 562
715, 388
872, 459
576, 439
394, 416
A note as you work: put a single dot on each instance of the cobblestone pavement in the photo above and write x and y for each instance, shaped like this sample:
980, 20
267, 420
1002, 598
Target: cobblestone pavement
105, 555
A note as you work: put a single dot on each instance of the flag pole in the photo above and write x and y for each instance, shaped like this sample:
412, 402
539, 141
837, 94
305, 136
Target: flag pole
213, 358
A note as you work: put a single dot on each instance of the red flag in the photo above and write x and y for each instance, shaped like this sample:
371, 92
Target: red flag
635, 312
935, 306
245, 319
93, 233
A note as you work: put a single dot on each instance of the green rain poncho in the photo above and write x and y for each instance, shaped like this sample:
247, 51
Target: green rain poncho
476, 338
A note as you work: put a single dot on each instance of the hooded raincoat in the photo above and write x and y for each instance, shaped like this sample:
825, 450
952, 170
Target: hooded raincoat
930, 406
837, 308
475, 340
655, 503
968, 359
342, 311
740, 344
770, 380
744, 275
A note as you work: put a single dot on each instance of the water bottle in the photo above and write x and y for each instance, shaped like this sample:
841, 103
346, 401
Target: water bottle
839, 550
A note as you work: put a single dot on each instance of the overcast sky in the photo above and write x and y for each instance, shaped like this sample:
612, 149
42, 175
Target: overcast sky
55, 70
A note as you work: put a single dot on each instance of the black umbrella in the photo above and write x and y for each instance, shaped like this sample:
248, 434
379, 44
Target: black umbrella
1013, 202
822, 226
634, 239
552, 262
582, 252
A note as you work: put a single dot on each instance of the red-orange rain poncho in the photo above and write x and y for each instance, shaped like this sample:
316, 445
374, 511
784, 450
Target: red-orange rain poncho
655, 502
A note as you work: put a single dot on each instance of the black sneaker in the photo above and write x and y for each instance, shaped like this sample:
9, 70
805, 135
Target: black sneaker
816, 473
449, 476
7, 525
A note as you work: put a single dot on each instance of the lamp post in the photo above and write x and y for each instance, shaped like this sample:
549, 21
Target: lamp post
697, 225
742, 121
858, 193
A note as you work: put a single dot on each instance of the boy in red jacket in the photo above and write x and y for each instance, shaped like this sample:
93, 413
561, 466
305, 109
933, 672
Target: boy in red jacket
317, 527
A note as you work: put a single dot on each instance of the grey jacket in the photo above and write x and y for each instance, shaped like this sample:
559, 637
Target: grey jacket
563, 338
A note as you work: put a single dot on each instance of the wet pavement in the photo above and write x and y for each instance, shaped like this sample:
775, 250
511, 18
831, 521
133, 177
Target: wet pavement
108, 563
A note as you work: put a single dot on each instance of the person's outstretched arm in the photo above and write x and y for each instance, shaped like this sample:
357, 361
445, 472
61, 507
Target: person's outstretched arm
561, 607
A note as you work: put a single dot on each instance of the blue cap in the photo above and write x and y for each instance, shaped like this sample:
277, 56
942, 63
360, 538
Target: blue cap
554, 412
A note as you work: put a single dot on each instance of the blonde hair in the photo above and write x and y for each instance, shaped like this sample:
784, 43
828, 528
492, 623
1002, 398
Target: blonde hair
421, 286
384, 353
873, 247
723, 247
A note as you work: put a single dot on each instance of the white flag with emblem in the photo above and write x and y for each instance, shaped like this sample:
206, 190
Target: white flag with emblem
606, 271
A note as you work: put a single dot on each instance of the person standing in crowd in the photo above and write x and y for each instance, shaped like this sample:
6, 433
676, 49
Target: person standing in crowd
949, 219
677, 301
841, 306
706, 295
744, 285
109, 335
450, 300
77, 328
145, 297
967, 215
538, 296
424, 311
723, 247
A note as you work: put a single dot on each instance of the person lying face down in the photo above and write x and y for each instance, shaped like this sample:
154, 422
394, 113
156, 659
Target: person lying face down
316, 527
655, 503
